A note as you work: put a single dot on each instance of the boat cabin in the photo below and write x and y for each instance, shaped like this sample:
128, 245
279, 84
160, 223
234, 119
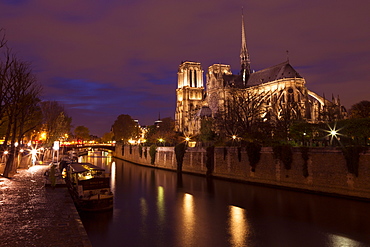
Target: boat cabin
89, 185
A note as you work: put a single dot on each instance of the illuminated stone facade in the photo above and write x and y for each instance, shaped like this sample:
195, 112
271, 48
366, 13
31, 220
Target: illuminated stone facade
190, 91
281, 86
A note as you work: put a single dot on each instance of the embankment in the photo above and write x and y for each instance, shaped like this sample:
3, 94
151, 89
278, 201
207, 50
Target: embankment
320, 170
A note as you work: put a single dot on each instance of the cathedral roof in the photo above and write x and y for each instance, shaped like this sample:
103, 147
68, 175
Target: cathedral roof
277, 72
233, 81
205, 111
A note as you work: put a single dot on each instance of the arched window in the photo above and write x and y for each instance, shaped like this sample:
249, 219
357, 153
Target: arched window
290, 95
195, 79
191, 77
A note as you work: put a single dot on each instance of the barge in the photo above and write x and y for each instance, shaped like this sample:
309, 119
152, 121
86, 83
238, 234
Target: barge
89, 186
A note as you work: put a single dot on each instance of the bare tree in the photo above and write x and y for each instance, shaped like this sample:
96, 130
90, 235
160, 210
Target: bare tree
19, 97
2, 38
242, 113
360, 109
6, 79
56, 122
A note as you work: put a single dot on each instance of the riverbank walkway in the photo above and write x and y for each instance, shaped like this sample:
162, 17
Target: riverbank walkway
32, 214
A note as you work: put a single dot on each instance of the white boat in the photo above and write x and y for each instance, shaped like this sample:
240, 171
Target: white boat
89, 186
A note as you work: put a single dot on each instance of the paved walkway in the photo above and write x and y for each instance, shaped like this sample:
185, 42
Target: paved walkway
34, 215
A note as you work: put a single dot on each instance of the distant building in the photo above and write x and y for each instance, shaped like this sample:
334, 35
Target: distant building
280, 84
158, 122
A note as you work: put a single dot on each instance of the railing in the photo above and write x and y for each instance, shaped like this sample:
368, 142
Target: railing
90, 145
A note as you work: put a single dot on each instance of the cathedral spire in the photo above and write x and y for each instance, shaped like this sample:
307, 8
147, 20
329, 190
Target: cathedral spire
244, 55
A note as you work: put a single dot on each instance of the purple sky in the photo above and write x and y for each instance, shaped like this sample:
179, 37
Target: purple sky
104, 58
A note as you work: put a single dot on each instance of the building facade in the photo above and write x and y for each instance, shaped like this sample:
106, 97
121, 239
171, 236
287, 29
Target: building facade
276, 88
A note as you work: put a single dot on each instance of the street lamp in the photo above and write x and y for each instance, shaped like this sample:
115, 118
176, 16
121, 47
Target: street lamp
161, 140
333, 133
33, 156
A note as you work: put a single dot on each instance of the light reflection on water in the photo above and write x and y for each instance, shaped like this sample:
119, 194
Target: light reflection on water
160, 208
341, 241
238, 226
188, 219
99, 158
144, 216
113, 177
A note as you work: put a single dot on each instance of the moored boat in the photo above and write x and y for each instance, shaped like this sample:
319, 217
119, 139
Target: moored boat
89, 186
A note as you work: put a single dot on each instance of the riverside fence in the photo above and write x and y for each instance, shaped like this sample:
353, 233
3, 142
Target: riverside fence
320, 170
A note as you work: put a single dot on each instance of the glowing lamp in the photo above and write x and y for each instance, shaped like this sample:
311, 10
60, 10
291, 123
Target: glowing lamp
56, 146
333, 132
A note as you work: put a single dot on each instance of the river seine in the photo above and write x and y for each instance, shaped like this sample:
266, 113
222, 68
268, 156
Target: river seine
156, 207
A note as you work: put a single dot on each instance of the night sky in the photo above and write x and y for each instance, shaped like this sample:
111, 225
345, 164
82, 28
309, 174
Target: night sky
104, 58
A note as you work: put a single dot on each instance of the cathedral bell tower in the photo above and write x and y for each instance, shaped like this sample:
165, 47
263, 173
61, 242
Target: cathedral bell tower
244, 57
189, 93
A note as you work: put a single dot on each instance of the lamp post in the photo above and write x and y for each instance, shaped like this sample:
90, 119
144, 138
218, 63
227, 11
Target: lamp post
161, 140
33, 156
187, 139
55, 150
234, 140
333, 133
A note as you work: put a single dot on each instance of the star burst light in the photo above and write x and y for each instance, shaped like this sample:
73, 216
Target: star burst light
34, 152
333, 132
187, 138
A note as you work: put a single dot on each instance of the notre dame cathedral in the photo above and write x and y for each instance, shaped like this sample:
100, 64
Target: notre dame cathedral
277, 85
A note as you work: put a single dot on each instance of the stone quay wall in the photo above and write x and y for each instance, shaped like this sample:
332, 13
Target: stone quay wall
326, 167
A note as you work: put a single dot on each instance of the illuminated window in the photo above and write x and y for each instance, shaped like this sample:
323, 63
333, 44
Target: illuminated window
191, 77
290, 95
195, 78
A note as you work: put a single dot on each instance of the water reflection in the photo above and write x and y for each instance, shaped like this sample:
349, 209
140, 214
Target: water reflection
99, 158
161, 208
144, 215
238, 226
336, 240
188, 219
160, 205
113, 177
144, 209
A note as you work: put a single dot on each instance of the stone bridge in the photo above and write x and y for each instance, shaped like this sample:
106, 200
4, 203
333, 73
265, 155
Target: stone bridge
82, 147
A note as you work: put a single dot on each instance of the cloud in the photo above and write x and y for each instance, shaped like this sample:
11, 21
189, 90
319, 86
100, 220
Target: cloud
105, 58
